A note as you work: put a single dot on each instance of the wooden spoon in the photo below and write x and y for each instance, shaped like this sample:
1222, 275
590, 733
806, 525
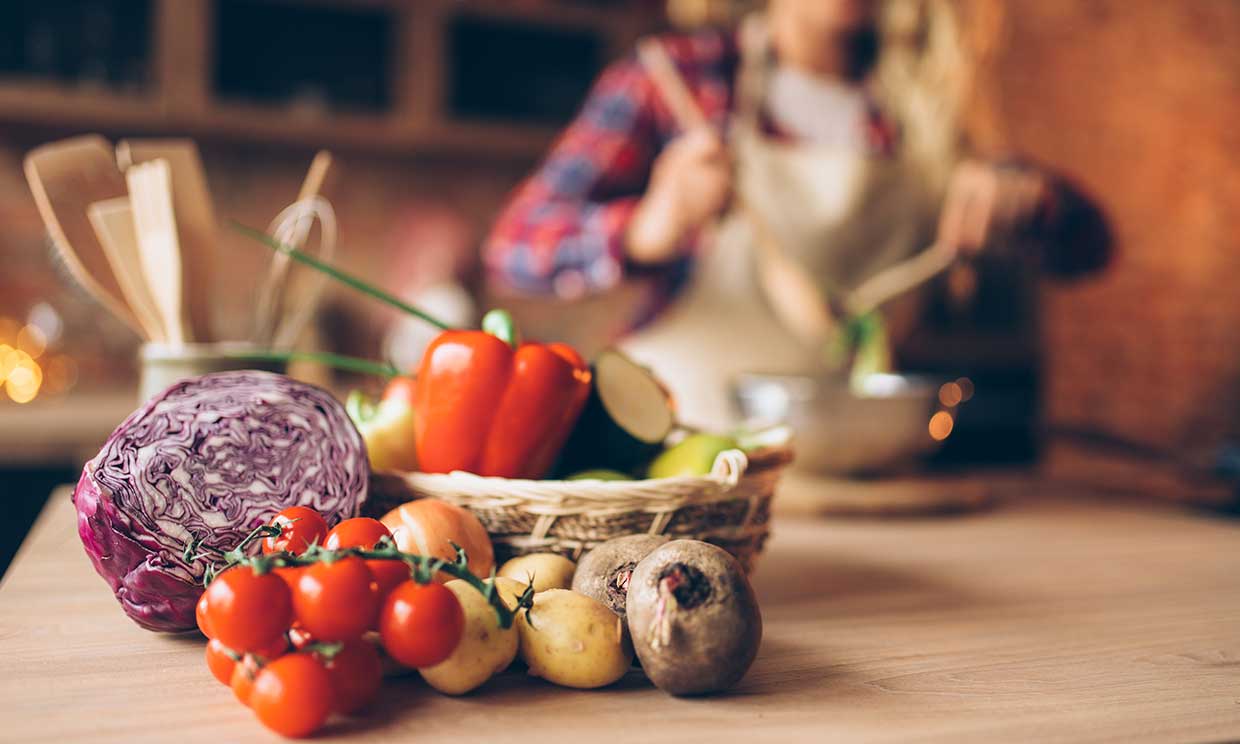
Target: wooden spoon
113, 223
150, 194
65, 177
195, 219
794, 295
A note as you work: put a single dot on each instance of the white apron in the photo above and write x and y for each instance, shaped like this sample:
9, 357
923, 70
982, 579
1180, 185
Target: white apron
837, 214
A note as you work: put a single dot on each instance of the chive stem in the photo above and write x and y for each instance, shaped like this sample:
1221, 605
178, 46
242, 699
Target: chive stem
327, 359
340, 276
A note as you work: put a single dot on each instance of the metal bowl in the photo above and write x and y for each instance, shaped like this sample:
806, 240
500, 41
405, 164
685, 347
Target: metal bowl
881, 426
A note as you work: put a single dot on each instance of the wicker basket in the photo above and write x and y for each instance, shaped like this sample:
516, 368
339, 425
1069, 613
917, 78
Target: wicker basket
731, 507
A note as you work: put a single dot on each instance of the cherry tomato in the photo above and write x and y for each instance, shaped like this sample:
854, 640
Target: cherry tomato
300, 527
248, 612
292, 695
335, 601
388, 575
357, 673
421, 624
359, 532
220, 662
242, 682
363, 532
290, 574
200, 614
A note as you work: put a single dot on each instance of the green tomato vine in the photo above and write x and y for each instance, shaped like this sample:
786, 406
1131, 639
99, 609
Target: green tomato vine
422, 568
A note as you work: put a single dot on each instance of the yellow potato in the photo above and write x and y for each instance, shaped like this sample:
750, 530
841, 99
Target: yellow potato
485, 648
548, 570
573, 640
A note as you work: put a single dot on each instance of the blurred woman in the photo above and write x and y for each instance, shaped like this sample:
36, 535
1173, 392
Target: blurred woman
830, 149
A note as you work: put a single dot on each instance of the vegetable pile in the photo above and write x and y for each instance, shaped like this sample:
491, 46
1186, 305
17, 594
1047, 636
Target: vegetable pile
300, 632
202, 464
295, 632
250, 484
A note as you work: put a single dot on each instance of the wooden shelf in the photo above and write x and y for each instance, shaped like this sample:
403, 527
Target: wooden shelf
181, 102
47, 103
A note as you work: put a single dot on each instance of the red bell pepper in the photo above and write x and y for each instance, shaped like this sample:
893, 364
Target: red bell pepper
488, 404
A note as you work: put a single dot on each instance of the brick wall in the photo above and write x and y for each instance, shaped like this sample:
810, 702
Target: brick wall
1138, 100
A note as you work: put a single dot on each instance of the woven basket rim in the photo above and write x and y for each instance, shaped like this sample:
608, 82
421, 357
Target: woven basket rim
651, 494
763, 458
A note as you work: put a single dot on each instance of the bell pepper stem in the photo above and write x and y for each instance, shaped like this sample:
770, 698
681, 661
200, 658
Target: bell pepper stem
338, 275
499, 323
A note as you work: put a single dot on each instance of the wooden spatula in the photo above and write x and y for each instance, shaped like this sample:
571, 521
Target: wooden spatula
65, 177
150, 195
113, 223
195, 219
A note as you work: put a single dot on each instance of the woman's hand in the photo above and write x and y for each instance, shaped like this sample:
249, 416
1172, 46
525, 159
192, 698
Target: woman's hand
690, 183
984, 200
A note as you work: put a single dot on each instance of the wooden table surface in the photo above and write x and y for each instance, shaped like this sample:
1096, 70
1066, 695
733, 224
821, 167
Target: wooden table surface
1040, 620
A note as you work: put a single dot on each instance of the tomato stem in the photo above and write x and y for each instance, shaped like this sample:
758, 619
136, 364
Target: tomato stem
422, 568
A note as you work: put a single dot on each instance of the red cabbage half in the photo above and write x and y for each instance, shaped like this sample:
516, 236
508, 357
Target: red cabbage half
210, 458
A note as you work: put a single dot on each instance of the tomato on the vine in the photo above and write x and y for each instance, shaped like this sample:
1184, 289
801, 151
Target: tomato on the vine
357, 673
359, 532
363, 532
300, 527
242, 681
248, 611
421, 624
200, 614
221, 661
335, 601
292, 695
290, 574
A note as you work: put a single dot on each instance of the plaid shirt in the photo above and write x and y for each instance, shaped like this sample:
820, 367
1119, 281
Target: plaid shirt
563, 230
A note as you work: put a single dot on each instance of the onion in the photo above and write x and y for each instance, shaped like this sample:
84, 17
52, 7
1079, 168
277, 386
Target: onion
208, 460
431, 527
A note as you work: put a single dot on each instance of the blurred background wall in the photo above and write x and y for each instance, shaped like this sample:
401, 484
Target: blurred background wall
1139, 102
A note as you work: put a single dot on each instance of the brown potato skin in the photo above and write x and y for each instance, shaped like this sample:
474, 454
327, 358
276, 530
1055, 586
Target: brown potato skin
711, 645
596, 567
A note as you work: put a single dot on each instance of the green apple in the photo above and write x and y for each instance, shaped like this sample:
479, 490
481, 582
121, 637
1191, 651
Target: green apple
693, 455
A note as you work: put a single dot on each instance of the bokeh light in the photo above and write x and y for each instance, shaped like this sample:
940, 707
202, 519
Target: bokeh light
966, 388
44, 317
950, 394
23, 382
32, 340
9, 358
28, 366
941, 425
8, 330
59, 374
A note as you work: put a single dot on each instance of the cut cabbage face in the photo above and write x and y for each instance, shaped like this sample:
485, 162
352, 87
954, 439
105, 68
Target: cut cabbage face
208, 460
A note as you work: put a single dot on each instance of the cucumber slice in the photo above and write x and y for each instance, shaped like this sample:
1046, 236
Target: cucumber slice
627, 417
